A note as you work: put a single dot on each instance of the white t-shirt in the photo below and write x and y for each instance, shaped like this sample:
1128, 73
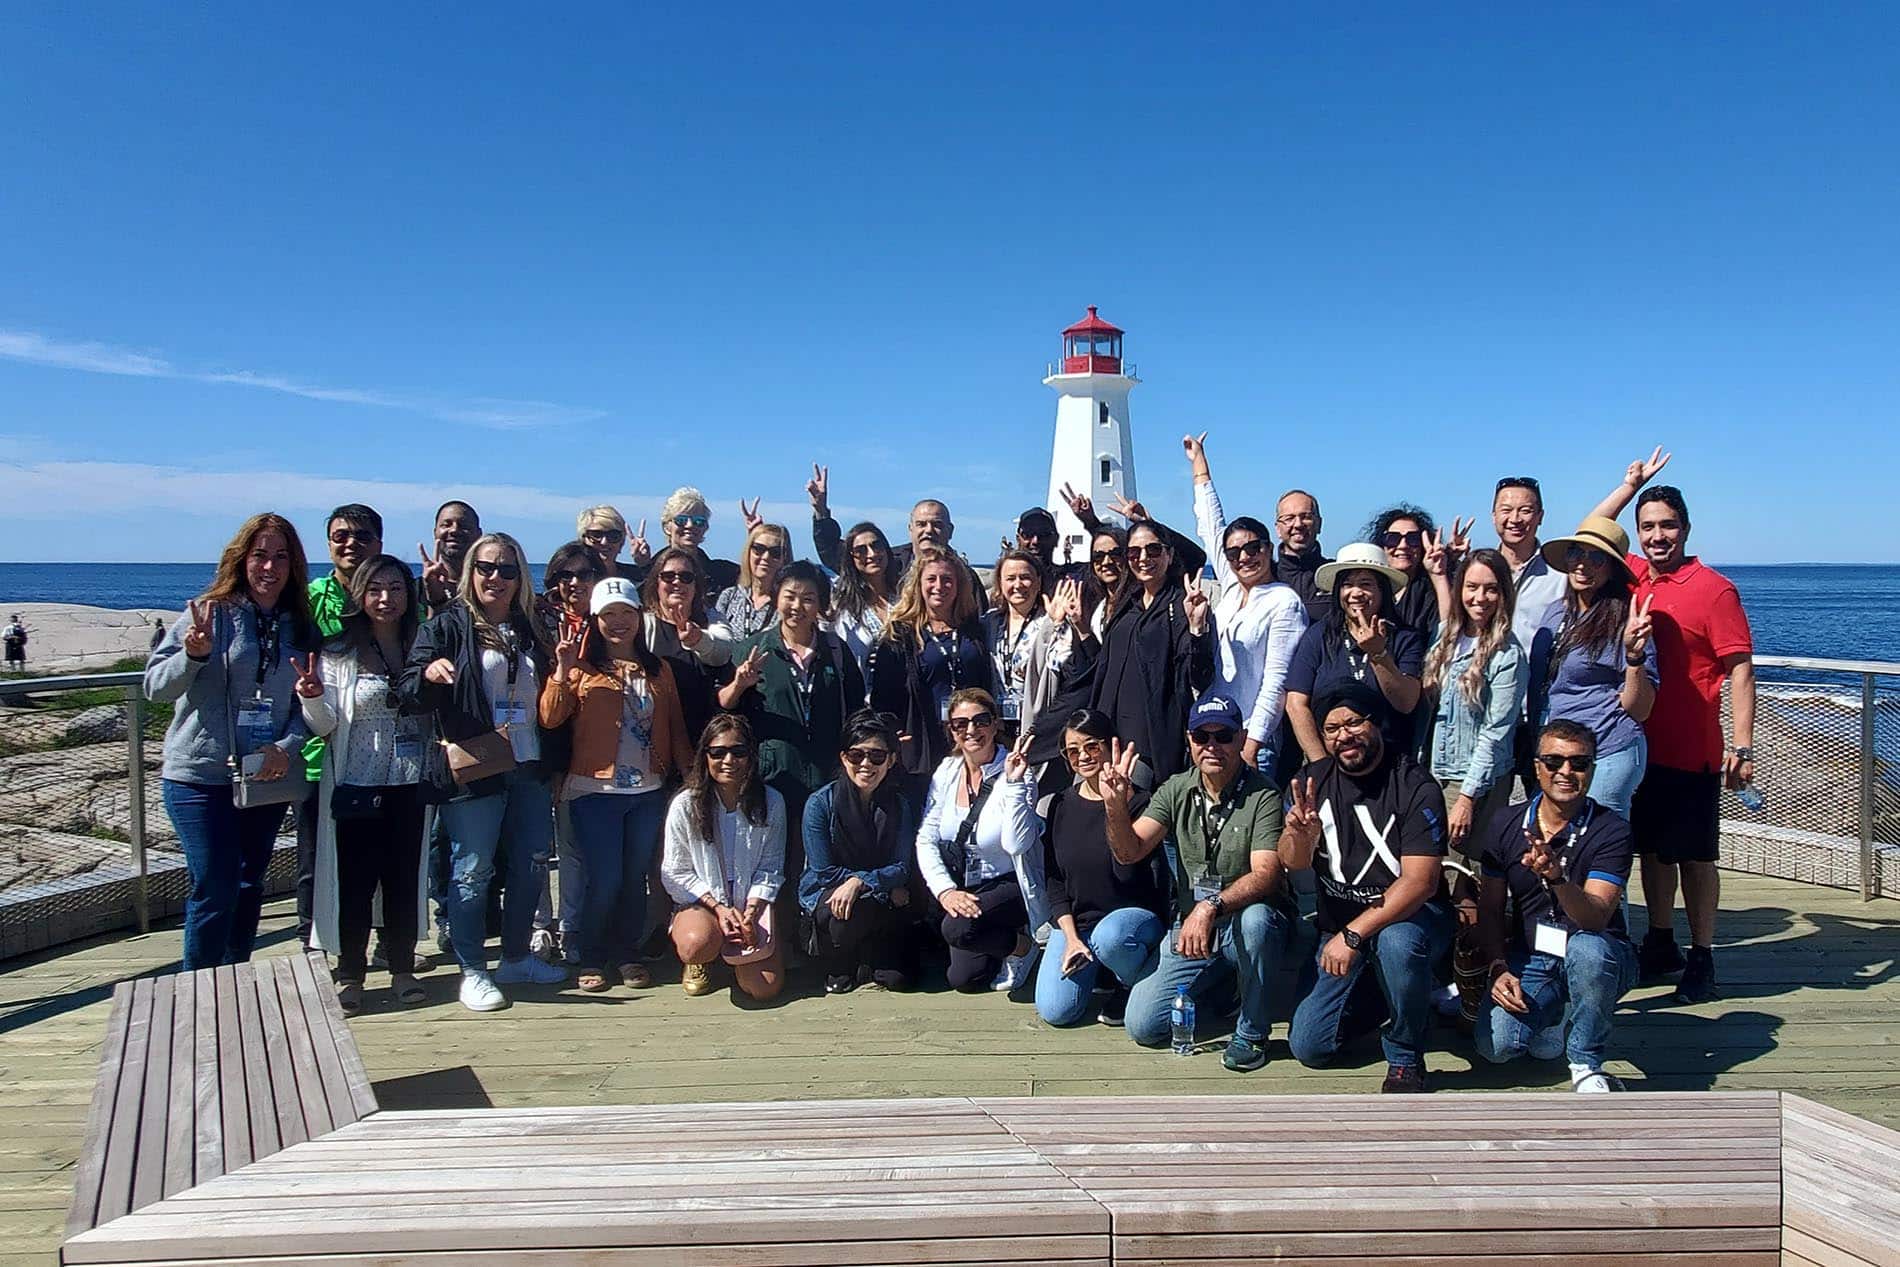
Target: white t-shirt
512, 704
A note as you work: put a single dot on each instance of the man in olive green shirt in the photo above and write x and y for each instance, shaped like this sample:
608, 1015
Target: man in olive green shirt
1234, 913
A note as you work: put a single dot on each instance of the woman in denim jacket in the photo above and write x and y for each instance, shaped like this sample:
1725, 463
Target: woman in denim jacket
1478, 674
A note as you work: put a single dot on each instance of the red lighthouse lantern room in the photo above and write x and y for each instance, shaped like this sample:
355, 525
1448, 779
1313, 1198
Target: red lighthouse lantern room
1091, 346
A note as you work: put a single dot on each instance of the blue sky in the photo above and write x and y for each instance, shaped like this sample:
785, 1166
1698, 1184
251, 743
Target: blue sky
395, 253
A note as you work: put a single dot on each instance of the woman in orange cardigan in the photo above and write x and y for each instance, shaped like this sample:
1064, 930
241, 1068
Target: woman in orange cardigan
628, 739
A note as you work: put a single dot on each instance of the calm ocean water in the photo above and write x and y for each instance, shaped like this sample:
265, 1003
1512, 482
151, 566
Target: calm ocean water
1836, 612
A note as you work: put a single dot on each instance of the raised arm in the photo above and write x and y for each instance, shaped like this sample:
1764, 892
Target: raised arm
1129, 840
1640, 472
1210, 520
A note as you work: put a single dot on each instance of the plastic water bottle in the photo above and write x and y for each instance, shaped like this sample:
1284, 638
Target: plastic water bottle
1751, 799
1181, 1023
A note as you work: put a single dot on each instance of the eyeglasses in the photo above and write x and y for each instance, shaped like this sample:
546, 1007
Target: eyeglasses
1087, 748
568, 575
765, 551
1520, 481
976, 721
873, 757
488, 567
869, 549
1576, 761
1333, 730
1211, 737
603, 537
671, 577
343, 536
1109, 556
1297, 517
1576, 554
728, 752
690, 521
1153, 550
1393, 540
1245, 550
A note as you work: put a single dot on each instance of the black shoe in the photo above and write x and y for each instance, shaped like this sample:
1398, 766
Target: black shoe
841, 983
1659, 956
1698, 977
1114, 1010
890, 979
1403, 1080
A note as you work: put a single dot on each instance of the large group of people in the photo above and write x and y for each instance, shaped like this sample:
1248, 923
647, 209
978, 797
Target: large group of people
1106, 785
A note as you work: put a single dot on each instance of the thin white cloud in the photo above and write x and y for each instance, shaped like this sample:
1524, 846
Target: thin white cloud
32, 348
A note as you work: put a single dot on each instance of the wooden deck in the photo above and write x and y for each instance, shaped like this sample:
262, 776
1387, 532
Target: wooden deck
1811, 983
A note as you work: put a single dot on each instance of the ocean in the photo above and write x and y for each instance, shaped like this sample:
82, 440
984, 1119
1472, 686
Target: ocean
1828, 611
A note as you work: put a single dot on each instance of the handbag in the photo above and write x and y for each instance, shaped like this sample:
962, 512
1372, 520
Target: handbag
764, 948
479, 757
956, 853
351, 802
247, 790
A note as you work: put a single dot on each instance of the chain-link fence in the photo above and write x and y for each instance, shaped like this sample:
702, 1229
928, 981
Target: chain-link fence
86, 847
1827, 760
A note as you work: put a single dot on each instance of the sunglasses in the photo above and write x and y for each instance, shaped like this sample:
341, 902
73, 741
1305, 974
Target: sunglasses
873, 757
1245, 550
1575, 554
728, 752
603, 537
690, 521
343, 537
1211, 737
1089, 748
978, 721
671, 577
1109, 556
1519, 481
1153, 550
765, 551
1553, 762
566, 575
506, 571
869, 549
1393, 540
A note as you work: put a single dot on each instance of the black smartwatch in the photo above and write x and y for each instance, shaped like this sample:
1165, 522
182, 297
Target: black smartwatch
1353, 940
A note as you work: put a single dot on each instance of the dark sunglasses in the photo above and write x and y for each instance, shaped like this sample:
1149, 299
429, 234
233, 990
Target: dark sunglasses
1553, 762
1211, 737
765, 551
979, 721
343, 536
506, 571
1153, 550
1520, 481
690, 521
671, 577
565, 575
1115, 555
728, 752
873, 757
1393, 540
1575, 554
869, 549
603, 536
1245, 550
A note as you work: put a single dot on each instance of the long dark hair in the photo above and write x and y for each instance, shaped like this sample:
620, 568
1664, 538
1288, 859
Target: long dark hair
1388, 601
1094, 593
229, 583
650, 587
705, 793
359, 631
1173, 583
595, 651
1597, 626
852, 594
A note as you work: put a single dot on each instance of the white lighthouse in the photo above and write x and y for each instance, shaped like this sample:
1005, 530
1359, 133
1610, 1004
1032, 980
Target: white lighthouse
1094, 452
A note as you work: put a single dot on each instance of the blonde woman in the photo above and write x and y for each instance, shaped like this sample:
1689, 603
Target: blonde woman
685, 518
748, 608
932, 648
476, 668
603, 530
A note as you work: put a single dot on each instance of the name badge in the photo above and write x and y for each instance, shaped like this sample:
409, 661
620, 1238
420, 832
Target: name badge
1207, 887
511, 714
1550, 939
1011, 707
254, 717
943, 709
628, 777
408, 743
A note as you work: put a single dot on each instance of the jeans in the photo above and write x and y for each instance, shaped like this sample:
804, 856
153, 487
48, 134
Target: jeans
573, 878
1594, 973
306, 859
516, 821
1616, 777
1404, 954
227, 850
439, 869
618, 834
1122, 941
383, 851
1248, 946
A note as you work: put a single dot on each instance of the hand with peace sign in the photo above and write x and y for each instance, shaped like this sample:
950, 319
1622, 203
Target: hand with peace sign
1541, 859
1117, 780
640, 548
309, 676
1367, 631
1198, 610
1131, 511
750, 670
1636, 633
1080, 506
1016, 764
438, 579
567, 654
750, 514
1642, 471
818, 488
1196, 449
198, 632
1300, 824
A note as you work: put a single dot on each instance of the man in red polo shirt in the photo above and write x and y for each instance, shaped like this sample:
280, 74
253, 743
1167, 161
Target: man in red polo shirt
1702, 637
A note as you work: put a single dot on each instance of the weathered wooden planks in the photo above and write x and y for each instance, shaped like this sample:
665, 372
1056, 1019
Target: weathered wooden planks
1840, 1187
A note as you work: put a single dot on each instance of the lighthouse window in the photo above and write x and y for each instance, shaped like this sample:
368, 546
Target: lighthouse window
1105, 471
1101, 412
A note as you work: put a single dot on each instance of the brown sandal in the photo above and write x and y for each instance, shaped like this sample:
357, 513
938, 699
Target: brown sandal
592, 982
636, 975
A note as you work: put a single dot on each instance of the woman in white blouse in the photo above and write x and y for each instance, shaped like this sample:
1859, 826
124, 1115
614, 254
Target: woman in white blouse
1257, 620
986, 874
724, 864
369, 807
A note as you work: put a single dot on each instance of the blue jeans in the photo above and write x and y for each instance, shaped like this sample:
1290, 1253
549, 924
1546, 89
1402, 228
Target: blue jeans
1617, 775
437, 842
1123, 941
1404, 954
523, 814
227, 850
1247, 946
1594, 973
616, 834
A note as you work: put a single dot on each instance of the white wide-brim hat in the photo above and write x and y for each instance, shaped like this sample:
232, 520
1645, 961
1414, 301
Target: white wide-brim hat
1360, 556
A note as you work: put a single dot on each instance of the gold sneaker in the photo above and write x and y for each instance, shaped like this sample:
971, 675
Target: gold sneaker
696, 979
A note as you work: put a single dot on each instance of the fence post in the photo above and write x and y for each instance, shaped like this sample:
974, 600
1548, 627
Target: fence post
1868, 889
135, 801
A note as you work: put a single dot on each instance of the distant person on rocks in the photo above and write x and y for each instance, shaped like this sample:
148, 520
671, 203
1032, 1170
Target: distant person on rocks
158, 631
1551, 918
14, 637
456, 528
228, 669
1702, 637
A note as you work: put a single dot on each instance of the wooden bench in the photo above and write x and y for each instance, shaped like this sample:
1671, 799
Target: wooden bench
202, 1073
1840, 1188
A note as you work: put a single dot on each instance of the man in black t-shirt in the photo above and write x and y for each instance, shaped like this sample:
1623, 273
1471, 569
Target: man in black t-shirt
1371, 824
1563, 862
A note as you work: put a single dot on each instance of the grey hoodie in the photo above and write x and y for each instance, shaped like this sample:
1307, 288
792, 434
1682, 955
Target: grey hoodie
209, 693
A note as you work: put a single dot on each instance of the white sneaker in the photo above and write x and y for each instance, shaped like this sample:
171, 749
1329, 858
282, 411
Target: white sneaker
1014, 972
541, 945
479, 993
1590, 1081
528, 970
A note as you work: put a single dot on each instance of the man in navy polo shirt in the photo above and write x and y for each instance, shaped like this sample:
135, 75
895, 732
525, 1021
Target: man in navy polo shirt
1565, 860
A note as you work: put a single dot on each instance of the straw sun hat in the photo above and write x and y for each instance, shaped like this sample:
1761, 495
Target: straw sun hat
1360, 556
1594, 533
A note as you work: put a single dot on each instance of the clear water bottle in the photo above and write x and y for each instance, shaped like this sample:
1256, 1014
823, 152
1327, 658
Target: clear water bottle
1751, 799
1181, 1023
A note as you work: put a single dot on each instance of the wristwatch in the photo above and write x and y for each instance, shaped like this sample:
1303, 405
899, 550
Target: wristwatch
1353, 940
1744, 754
1218, 902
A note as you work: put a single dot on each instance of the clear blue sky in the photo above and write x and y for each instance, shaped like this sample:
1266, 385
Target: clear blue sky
392, 253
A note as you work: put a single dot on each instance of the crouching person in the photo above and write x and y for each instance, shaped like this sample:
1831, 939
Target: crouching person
1371, 824
1565, 860
1232, 910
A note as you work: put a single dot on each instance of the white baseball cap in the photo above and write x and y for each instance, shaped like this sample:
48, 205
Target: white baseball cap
615, 591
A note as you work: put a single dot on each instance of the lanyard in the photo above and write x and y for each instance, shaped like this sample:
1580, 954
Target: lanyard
951, 662
804, 680
1214, 817
268, 646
